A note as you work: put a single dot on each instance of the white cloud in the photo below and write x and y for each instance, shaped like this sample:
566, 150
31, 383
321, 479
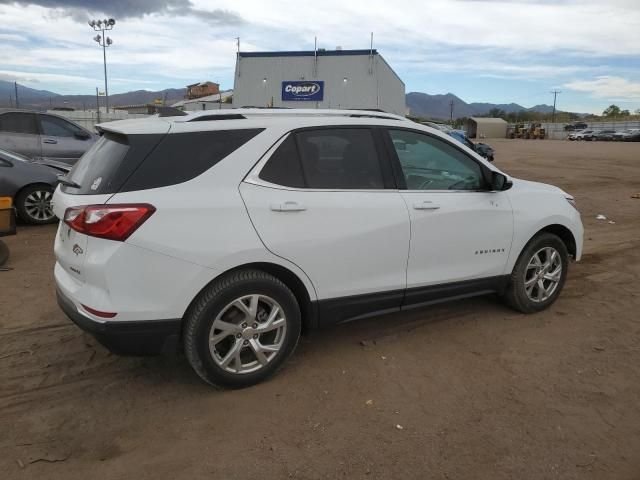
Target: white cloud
610, 87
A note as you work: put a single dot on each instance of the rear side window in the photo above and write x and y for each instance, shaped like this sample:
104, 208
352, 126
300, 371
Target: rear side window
17, 122
336, 158
182, 156
119, 163
340, 159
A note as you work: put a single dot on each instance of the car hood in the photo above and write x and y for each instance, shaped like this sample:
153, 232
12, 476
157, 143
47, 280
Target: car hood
537, 187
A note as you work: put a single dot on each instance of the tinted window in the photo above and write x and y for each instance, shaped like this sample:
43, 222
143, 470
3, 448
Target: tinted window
340, 159
182, 156
96, 171
429, 163
18, 123
118, 163
56, 127
283, 168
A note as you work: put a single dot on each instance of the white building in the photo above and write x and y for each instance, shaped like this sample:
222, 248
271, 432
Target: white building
359, 79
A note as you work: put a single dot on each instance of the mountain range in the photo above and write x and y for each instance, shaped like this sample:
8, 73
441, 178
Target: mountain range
43, 99
419, 104
439, 106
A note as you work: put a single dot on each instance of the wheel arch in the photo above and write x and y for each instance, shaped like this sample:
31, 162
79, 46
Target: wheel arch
308, 308
563, 233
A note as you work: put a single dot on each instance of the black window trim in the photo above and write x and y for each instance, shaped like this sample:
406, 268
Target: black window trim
377, 132
397, 168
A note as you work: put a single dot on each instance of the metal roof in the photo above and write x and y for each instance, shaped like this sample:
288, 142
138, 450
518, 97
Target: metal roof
488, 120
309, 53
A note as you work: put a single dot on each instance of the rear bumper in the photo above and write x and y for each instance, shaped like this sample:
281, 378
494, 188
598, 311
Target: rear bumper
149, 337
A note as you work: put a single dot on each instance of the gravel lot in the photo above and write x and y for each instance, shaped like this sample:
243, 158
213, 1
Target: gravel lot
465, 390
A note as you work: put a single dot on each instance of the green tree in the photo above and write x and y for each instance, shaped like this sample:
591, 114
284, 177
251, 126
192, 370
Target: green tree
637, 111
625, 113
611, 111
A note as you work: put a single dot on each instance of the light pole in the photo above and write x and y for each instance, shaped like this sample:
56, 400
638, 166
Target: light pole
104, 42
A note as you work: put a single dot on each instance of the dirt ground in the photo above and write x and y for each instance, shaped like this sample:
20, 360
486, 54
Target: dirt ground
464, 390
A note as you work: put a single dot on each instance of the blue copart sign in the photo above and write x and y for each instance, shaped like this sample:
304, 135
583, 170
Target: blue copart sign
309, 91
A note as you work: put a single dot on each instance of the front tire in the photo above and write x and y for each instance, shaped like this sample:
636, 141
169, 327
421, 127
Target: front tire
539, 274
33, 204
241, 329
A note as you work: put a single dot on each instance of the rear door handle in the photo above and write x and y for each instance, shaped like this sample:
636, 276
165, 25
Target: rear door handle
49, 140
288, 207
426, 205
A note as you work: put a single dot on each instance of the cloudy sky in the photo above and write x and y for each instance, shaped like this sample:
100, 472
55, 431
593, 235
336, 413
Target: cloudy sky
482, 50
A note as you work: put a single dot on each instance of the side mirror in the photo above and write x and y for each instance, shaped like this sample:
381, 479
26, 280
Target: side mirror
499, 182
82, 135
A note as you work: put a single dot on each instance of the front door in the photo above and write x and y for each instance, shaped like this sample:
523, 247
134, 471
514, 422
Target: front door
62, 140
460, 231
321, 201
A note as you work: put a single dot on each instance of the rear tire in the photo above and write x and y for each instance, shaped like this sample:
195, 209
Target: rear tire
33, 204
241, 329
535, 284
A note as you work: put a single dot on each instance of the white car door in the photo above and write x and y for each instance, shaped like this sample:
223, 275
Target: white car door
461, 232
324, 199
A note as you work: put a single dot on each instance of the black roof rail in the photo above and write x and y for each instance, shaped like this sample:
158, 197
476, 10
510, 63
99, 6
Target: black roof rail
222, 116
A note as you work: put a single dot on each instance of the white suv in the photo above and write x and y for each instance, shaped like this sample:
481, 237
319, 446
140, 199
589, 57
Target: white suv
232, 232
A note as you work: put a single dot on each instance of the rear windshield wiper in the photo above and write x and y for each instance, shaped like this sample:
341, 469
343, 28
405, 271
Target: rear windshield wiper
68, 183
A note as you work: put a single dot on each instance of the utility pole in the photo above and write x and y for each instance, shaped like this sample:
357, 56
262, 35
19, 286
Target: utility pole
104, 42
553, 115
451, 115
15, 85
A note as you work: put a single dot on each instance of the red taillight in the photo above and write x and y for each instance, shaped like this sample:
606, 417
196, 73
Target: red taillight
98, 313
113, 222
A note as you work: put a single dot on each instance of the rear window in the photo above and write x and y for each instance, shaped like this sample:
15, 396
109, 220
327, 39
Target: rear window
119, 163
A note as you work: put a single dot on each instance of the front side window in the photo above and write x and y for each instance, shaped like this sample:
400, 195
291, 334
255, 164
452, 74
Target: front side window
429, 163
18, 122
56, 127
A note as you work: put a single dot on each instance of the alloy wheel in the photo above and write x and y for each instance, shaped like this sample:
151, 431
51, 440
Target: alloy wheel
38, 205
247, 334
543, 274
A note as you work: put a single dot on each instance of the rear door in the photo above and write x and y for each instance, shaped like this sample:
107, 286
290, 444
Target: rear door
62, 140
325, 200
19, 133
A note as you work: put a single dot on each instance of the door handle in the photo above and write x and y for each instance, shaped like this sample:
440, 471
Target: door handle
49, 140
426, 205
288, 207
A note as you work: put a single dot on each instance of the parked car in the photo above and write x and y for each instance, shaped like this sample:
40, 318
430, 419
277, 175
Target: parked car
570, 127
481, 148
35, 134
30, 184
582, 135
625, 135
633, 137
232, 235
604, 135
